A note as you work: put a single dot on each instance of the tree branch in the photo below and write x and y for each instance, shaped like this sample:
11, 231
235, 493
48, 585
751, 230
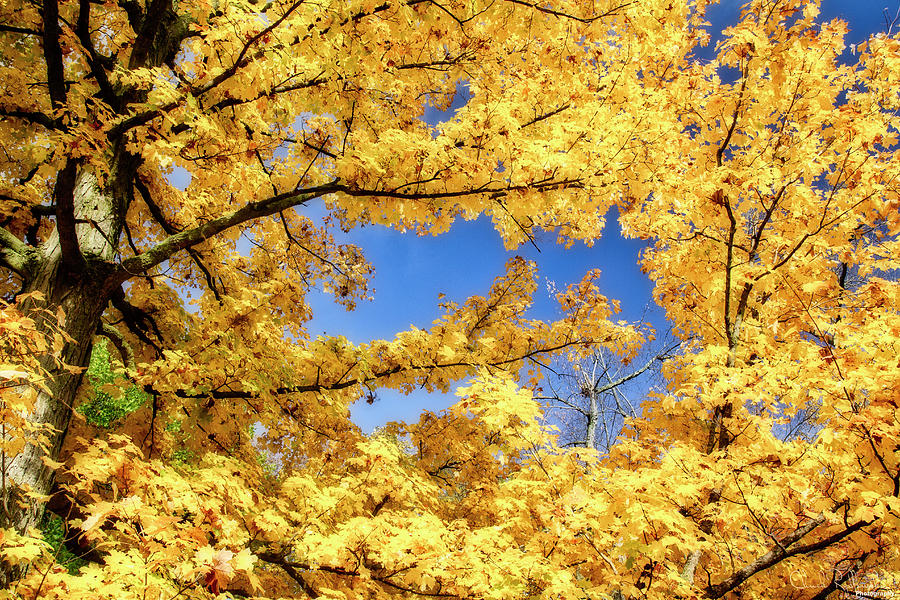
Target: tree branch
82, 30
342, 383
242, 55
53, 54
291, 570
13, 252
781, 551
281, 561
274, 204
32, 116
22, 30
546, 115
150, 27
138, 321
838, 580
191, 237
628, 377
119, 341
563, 15
160, 218
64, 199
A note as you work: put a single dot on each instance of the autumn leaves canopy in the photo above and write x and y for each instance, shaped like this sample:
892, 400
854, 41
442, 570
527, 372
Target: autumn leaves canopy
164, 170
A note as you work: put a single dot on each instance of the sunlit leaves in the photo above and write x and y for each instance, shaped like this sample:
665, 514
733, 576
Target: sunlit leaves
765, 179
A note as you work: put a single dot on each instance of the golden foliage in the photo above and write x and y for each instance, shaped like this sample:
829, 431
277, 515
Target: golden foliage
766, 179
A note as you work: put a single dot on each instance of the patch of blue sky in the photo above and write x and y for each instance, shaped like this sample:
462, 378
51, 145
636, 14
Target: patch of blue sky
411, 272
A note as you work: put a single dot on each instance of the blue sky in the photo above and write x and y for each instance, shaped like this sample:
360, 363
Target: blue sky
410, 271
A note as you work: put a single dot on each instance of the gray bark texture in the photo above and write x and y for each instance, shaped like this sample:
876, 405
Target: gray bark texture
77, 267
80, 285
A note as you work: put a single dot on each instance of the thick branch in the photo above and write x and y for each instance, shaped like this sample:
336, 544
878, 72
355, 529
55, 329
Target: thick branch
53, 54
375, 375
781, 551
150, 29
281, 561
138, 321
82, 29
837, 580
32, 116
765, 561
192, 237
13, 252
263, 208
160, 218
64, 198
119, 341
291, 569
22, 30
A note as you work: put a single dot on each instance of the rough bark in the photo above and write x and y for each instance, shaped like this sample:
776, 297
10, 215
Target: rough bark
76, 268
80, 286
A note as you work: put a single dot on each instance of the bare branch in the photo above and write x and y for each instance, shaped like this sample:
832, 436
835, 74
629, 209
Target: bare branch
628, 377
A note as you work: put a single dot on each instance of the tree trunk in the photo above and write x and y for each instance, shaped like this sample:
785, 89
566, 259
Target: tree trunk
81, 286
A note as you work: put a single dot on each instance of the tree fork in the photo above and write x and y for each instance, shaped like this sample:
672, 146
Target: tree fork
76, 277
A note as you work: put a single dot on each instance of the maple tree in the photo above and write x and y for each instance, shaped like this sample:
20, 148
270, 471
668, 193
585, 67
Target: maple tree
767, 179
782, 197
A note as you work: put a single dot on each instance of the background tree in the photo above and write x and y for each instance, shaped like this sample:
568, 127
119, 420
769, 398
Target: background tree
592, 398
